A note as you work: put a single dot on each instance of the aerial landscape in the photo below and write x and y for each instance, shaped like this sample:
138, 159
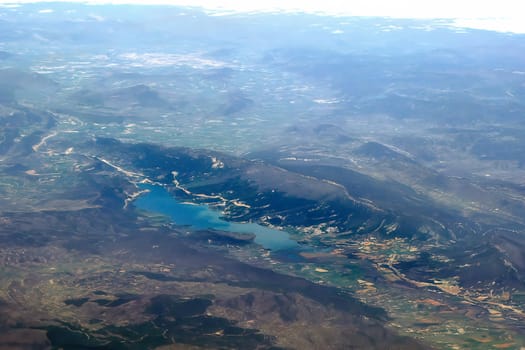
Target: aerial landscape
179, 178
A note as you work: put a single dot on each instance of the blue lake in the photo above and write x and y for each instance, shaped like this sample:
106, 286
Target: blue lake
159, 200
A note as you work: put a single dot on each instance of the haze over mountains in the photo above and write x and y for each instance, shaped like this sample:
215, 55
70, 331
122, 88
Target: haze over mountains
376, 164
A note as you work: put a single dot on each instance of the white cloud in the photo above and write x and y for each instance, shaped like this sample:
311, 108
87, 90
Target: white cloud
97, 17
501, 15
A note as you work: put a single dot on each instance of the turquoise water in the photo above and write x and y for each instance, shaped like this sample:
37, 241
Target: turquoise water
160, 201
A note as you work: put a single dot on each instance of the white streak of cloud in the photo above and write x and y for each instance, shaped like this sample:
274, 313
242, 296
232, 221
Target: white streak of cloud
501, 15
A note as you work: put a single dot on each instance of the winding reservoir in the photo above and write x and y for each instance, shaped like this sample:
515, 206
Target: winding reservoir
159, 200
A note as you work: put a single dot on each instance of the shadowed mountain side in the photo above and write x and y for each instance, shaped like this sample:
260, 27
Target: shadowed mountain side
282, 197
138, 95
473, 240
20, 85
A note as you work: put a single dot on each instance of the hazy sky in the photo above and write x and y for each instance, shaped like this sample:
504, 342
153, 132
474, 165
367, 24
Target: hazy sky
503, 15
